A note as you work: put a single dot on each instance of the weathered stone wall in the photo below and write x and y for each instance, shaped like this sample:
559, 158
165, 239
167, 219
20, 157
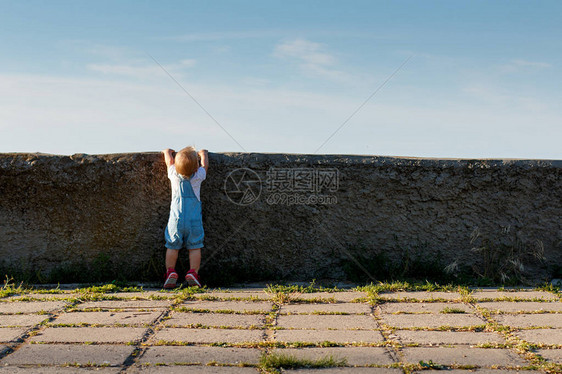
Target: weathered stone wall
90, 217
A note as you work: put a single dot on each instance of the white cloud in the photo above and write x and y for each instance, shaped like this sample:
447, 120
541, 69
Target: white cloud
311, 57
515, 66
142, 71
490, 95
308, 52
217, 36
534, 64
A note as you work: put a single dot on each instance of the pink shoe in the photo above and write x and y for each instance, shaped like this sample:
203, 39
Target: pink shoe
192, 278
171, 279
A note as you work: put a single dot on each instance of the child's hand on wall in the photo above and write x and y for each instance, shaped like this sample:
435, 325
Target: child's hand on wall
204, 158
169, 156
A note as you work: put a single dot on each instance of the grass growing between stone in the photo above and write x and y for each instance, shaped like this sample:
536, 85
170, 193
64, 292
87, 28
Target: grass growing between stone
273, 362
522, 347
10, 289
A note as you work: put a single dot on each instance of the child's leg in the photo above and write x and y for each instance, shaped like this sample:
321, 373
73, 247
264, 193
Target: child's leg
195, 259
172, 258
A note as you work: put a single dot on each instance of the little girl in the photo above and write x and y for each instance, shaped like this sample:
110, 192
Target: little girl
185, 225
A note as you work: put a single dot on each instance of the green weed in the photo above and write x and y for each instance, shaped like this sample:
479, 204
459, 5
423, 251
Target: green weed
285, 361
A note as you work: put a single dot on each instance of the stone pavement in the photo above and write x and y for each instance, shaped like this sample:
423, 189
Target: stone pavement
238, 330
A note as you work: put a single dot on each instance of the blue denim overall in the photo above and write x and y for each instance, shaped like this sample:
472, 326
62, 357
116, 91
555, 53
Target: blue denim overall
185, 225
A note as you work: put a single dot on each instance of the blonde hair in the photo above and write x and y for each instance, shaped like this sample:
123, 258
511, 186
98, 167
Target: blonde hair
186, 162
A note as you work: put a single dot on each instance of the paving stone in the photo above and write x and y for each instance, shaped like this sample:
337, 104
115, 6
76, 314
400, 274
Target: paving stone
57, 370
554, 355
208, 335
343, 296
240, 289
236, 306
108, 318
145, 295
10, 334
521, 306
337, 336
353, 355
21, 319
517, 295
346, 370
463, 356
181, 369
431, 320
254, 295
324, 322
421, 295
349, 308
31, 307
59, 354
485, 371
530, 320
448, 337
424, 307
216, 319
200, 355
43, 296
126, 304
544, 336
90, 334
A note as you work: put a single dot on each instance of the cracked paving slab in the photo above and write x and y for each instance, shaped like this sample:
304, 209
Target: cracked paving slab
145, 295
57, 370
23, 320
107, 318
336, 336
515, 295
59, 354
325, 322
486, 371
541, 336
11, 334
216, 320
90, 334
431, 320
235, 306
42, 297
530, 320
448, 337
352, 355
421, 295
200, 355
342, 370
463, 356
433, 308
254, 295
31, 307
347, 308
521, 306
125, 304
181, 369
344, 296
186, 335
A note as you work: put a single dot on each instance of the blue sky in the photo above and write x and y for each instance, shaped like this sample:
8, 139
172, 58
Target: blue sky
482, 79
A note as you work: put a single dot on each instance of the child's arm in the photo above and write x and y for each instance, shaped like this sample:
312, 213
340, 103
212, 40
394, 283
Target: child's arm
204, 154
168, 157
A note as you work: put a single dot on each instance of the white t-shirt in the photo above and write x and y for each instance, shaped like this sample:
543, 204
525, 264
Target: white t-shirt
195, 180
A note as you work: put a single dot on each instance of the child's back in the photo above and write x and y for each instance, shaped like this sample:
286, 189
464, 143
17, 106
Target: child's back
185, 224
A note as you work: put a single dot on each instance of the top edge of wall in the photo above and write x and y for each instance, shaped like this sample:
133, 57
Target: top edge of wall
276, 159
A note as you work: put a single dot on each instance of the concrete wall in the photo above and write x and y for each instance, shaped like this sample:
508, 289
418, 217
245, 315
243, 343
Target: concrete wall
90, 217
